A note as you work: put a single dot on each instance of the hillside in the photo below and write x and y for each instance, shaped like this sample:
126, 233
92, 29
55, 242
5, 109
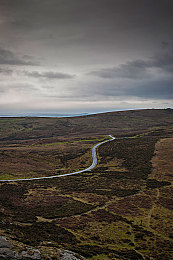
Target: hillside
118, 123
122, 209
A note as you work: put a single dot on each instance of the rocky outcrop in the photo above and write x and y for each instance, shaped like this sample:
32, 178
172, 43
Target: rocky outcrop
7, 252
69, 255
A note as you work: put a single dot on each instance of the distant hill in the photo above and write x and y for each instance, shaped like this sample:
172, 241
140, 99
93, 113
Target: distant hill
118, 123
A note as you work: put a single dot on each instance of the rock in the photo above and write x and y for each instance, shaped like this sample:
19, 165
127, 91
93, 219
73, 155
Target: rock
31, 254
4, 243
6, 253
69, 255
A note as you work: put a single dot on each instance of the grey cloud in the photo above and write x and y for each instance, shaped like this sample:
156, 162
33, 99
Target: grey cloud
29, 13
164, 44
100, 21
158, 89
138, 69
162, 89
164, 61
7, 57
6, 71
18, 87
132, 70
117, 35
159, 86
49, 75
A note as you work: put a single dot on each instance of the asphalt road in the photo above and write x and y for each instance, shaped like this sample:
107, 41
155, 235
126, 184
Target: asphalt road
92, 166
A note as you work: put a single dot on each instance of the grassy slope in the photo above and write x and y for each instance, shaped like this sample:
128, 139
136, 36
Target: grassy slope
118, 123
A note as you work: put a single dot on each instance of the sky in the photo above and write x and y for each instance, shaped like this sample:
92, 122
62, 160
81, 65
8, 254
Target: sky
85, 56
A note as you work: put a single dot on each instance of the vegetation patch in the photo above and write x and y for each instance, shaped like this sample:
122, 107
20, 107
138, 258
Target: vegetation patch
153, 184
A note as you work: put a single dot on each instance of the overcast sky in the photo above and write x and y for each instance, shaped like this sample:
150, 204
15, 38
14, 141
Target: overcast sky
74, 56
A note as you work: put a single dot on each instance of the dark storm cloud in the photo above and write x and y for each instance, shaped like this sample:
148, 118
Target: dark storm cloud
164, 44
98, 21
32, 13
159, 89
138, 69
128, 39
132, 70
49, 75
164, 60
86, 31
7, 57
151, 89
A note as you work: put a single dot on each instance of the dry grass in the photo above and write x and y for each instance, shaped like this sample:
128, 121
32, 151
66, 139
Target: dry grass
163, 160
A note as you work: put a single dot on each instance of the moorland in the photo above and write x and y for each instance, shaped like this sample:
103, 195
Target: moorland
122, 209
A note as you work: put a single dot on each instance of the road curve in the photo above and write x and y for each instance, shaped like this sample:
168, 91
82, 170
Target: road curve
93, 165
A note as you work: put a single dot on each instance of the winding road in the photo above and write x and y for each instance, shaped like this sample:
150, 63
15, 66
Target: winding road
92, 166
